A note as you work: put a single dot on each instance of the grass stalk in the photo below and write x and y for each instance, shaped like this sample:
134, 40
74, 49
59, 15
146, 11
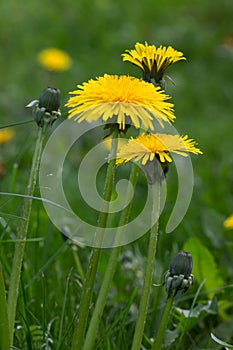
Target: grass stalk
86, 297
16, 123
22, 235
78, 264
4, 325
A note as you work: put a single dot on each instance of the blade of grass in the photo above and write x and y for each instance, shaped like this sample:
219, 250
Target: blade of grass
33, 197
16, 123
120, 340
24, 315
47, 264
13, 183
78, 263
4, 325
63, 309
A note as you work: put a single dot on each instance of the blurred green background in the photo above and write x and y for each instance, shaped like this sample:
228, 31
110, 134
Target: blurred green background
95, 34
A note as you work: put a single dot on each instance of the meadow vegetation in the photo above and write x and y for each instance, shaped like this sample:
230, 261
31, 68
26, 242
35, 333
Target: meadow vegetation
95, 34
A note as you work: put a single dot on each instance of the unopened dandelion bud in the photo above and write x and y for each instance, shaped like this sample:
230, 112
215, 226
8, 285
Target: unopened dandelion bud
181, 264
50, 99
46, 109
179, 277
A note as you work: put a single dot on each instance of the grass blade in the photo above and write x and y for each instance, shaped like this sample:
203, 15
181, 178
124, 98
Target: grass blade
4, 325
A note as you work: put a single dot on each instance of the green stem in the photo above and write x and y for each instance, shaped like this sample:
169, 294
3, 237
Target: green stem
111, 268
22, 235
86, 298
163, 324
143, 307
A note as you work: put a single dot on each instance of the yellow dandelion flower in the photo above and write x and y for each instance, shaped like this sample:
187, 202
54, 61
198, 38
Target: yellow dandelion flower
146, 147
54, 59
228, 223
122, 100
5, 135
152, 60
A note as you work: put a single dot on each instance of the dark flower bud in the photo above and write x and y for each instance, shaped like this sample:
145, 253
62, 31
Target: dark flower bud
50, 99
179, 277
46, 109
181, 264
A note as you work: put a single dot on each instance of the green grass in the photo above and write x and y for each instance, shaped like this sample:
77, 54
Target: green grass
95, 34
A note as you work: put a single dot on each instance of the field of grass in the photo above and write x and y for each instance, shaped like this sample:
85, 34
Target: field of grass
95, 34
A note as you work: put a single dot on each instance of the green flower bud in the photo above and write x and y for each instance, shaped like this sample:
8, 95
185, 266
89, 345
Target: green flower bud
50, 99
46, 109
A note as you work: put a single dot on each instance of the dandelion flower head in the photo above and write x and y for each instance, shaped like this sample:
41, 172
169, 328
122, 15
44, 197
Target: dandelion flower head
120, 99
148, 146
152, 60
54, 59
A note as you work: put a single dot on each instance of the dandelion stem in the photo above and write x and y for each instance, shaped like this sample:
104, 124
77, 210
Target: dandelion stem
22, 235
109, 273
143, 307
86, 298
163, 324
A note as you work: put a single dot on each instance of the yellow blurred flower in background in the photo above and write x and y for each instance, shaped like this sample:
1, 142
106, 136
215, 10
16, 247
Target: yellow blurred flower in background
228, 223
54, 59
6, 135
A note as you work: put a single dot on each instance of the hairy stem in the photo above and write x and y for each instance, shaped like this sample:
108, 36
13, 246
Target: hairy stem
22, 235
109, 273
143, 307
86, 298
163, 324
